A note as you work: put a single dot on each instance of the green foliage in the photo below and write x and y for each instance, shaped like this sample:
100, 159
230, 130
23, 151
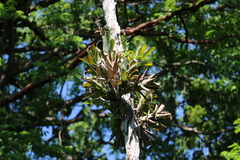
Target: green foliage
16, 141
196, 61
237, 128
195, 114
8, 10
234, 153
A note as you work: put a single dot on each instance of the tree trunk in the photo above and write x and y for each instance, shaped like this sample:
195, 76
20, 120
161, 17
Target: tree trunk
129, 128
112, 24
129, 123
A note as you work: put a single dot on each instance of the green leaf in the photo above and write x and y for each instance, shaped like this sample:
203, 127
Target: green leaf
87, 84
123, 75
124, 43
90, 60
145, 63
112, 43
141, 52
77, 38
84, 60
126, 53
95, 54
151, 49
171, 4
106, 42
237, 128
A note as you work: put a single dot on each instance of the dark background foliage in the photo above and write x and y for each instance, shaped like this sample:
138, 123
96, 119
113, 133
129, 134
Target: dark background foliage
197, 64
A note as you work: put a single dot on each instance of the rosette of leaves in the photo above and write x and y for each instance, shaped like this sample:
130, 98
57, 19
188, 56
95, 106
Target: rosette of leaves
112, 74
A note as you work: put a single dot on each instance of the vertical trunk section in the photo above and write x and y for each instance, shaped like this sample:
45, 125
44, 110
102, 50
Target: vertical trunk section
129, 128
129, 122
112, 24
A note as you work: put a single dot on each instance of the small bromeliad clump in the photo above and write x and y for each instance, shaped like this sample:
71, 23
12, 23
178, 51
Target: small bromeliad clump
111, 75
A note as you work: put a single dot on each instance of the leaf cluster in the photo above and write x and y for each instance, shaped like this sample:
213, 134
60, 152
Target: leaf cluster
234, 153
113, 74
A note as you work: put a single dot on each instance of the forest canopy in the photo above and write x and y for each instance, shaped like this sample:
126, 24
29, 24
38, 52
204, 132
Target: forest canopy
43, 110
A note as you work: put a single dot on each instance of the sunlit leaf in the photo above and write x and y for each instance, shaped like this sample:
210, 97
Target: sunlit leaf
141, 52
123, 74
86, 84
145, 63
106, 42
148, 51
112, 43
86, 60
90, 60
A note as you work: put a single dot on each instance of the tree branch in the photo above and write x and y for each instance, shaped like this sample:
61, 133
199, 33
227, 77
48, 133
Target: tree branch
195, 130
11, 42
73, 101
48, 78
152, 23
133, 19
22, 67
185, 27
44, 3
77, 118
190, 41
172, 66
38, 31
28, 49
26, 89
230, 5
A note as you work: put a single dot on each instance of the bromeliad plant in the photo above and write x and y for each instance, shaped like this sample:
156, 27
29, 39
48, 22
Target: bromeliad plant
112, 74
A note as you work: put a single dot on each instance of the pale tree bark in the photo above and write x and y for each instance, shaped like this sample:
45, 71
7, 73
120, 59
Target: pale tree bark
129, 128
111, 23
129, 121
